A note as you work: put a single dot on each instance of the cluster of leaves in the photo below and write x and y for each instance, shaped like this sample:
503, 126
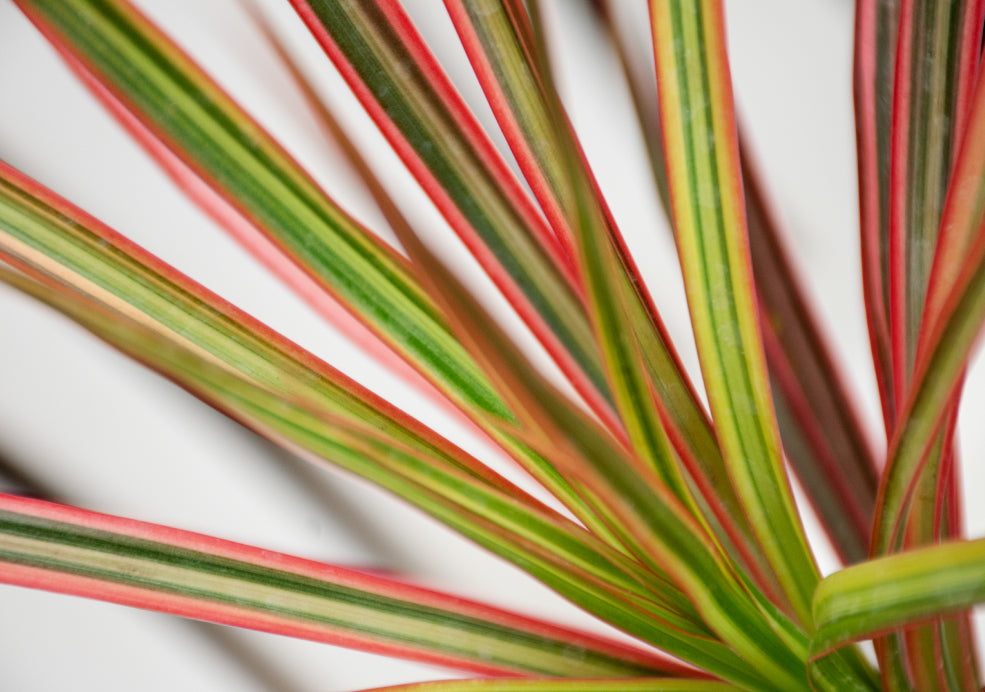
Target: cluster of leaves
679, 525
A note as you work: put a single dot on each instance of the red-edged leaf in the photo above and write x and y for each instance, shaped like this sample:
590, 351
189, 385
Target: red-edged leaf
68, 550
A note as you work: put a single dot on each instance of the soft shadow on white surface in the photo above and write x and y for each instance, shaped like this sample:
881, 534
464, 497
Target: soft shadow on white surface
113, 437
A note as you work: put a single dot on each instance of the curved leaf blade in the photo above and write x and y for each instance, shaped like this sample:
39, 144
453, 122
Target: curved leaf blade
390, 70
123, 561
823, 435
234, 363
148, 75
896, 591
703, 167
500, 40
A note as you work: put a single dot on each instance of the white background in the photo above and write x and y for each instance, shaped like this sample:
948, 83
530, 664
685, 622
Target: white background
108, 435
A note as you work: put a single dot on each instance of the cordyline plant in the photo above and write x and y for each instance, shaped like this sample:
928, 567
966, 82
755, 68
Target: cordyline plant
674, 522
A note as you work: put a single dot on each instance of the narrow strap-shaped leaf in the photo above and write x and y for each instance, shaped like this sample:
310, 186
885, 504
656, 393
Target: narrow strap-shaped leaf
823, 436
232, 153
951, 321
936, 379
74, 551
578, 446
193, 338
496, 38
492, 348
390, 70
709, 220
934, 79
224, 357
646, 516
876, 32
937, 58
896, 591
500, 41
535, 464
179, 104
487, 685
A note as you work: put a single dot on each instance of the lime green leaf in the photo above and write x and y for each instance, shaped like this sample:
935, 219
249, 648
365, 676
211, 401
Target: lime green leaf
891, 592
823, 436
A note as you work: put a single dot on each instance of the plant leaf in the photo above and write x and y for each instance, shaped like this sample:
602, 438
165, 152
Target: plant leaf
236, 364
399, 83
936, 63
243, 368
703, 170
896, 591
501, 42
821, 429
876, 33
615, 484
247, 167
950, 324
59, 548
487, 685
176, 102
535, 464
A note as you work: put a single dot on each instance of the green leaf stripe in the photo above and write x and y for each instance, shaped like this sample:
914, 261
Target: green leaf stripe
388, 67
496, 36
640, 361
183, 107
224, 357
702, 154
892, 592
208, 578
926, 115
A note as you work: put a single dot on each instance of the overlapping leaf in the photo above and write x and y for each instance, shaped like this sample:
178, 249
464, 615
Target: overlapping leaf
246, 167
892, 592
579, 446
150, 311
398, 81
822, 433
239, 366
182, 107
703, 168
640, 360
